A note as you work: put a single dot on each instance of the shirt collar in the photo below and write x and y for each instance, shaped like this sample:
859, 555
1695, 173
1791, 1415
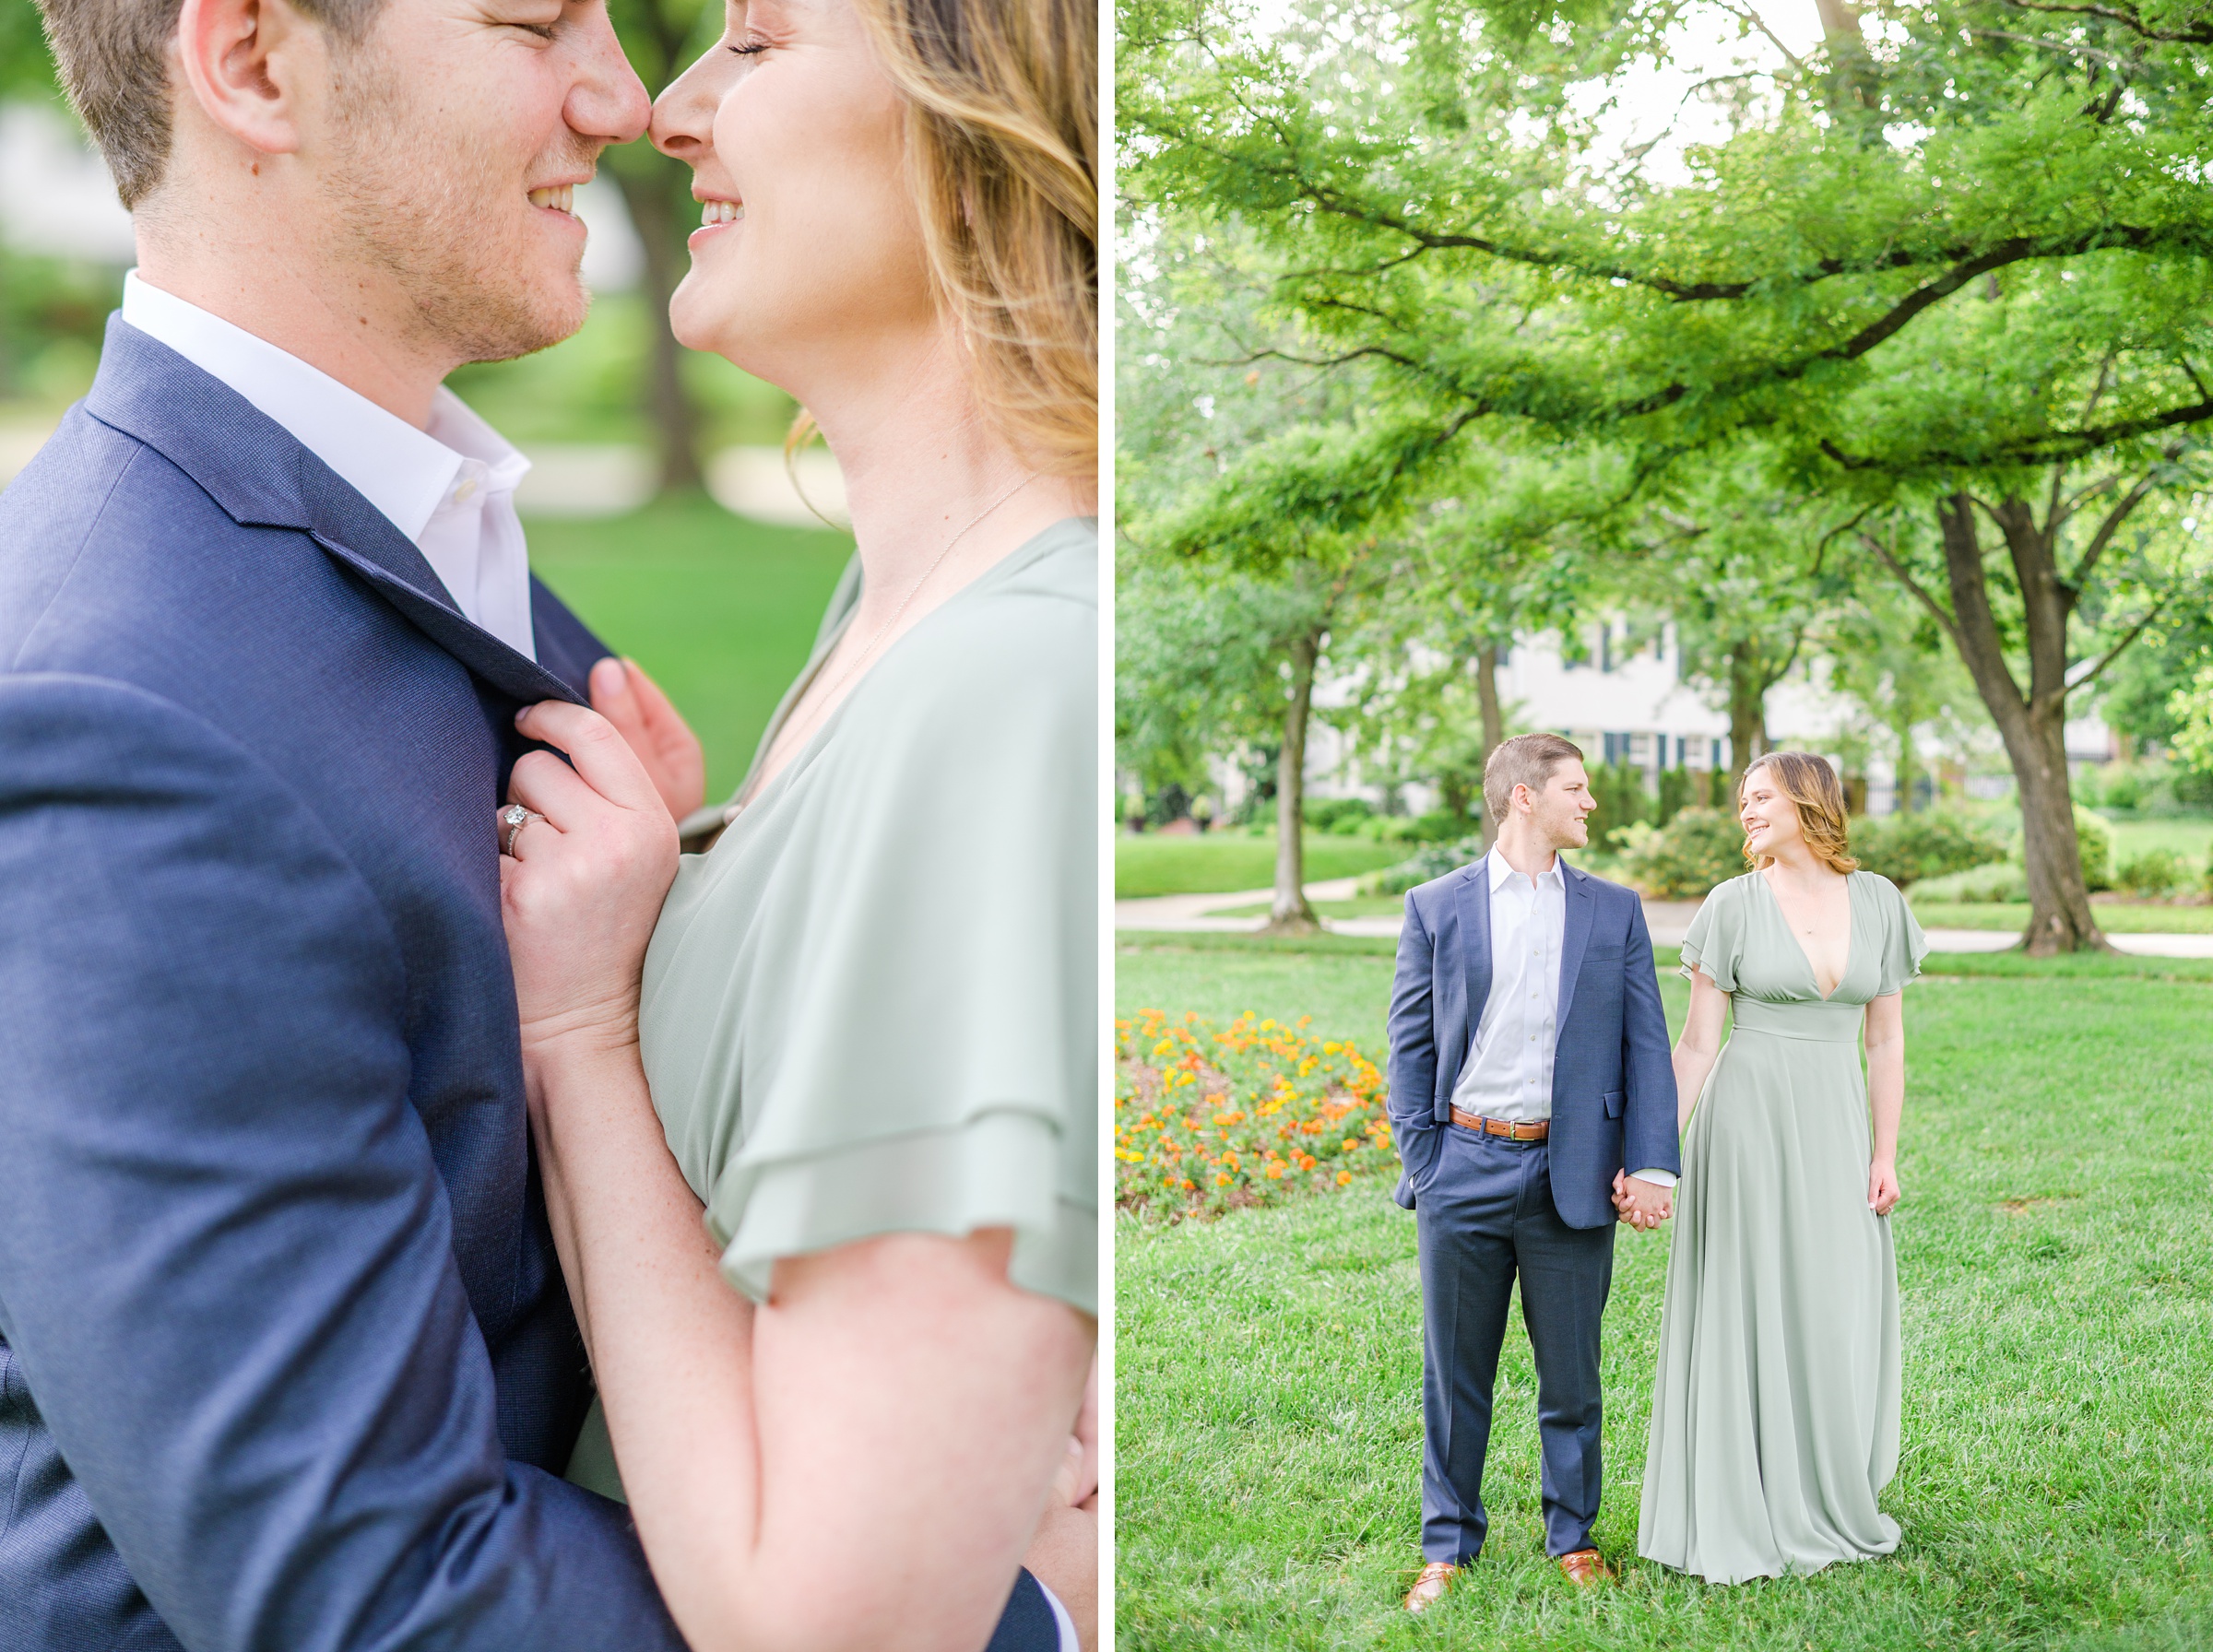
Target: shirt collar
1500, 872
403, 472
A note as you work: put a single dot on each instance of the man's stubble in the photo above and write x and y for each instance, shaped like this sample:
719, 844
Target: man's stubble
427, 207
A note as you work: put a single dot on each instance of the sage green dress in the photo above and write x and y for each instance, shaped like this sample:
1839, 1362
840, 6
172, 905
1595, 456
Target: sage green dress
1775, 1411
872, 1007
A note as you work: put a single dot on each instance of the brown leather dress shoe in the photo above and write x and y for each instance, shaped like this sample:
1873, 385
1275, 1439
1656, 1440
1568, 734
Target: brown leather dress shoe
1584, 1567
1430, 1586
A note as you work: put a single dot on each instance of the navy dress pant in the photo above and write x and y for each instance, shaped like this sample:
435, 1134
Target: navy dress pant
1486, 1213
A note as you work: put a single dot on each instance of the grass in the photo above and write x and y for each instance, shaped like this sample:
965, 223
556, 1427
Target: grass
1225, 862
719, 610
2112, 916
2189, 836
2056, 1488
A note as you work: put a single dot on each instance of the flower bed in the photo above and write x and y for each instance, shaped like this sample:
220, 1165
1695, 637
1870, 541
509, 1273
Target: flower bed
1207, 1118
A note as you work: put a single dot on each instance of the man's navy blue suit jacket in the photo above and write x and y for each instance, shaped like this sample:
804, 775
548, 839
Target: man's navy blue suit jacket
1613, 1083
287, 1361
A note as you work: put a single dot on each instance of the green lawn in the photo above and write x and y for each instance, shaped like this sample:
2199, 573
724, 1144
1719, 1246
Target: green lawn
2055, 1252
720, 611
2189, 837
1153, 865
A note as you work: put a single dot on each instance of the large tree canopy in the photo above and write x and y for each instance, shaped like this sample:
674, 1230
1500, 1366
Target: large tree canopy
1945, 269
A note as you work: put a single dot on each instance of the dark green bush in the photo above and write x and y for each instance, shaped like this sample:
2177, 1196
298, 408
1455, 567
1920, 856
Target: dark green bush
1434, 860
1342, 815
1907, 848
1684, 859
2154, 874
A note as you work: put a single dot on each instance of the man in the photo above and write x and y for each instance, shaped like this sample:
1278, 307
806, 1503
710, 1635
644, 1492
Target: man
288, 1363
1529, 1065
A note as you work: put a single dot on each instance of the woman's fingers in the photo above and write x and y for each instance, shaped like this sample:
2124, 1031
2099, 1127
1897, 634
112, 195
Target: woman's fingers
595, 748
543, 782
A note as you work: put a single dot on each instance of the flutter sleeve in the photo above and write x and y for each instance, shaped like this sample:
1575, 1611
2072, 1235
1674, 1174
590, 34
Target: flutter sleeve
936, 1068
1716, 940
1904, 945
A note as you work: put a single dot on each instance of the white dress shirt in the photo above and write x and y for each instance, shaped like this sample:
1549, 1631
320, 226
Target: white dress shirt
1508, 1074
450, 490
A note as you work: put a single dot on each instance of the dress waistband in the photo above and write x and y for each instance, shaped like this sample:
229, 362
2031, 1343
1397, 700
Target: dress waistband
1812, 1021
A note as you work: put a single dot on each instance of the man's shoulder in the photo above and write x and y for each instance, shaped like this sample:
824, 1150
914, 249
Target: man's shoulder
1604, 890
1426, 895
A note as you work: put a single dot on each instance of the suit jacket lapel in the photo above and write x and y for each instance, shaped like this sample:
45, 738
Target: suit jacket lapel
1576, 937
253, 468
1474, 897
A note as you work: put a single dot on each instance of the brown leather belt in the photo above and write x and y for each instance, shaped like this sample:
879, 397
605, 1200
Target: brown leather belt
1499, 1126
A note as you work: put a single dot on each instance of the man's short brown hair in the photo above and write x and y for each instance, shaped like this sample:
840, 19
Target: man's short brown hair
113, 55
1526, 760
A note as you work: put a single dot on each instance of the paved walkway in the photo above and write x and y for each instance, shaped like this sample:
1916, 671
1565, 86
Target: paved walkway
1669, 921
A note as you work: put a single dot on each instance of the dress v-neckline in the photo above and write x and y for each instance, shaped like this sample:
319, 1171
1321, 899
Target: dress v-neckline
1850, 939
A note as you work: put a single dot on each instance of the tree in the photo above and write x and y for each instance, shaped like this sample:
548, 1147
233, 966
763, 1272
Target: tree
1962, 244
661, 38
2027, 608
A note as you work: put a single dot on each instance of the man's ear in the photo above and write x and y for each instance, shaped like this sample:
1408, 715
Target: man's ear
247, 65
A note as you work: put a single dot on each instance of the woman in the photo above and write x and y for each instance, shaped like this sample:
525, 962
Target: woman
842, 1335
1775, 1409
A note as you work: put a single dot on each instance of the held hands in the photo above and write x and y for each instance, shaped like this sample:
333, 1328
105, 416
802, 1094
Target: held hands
1882, 1185
1643, 1205
584, 885
630, 699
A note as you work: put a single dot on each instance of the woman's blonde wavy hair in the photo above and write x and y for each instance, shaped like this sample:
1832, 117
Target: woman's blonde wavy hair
1002, 153
1808, 781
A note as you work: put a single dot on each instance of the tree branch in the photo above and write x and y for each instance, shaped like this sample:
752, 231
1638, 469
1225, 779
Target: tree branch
1951, 626
2197, 34
2127, 503
2135, 632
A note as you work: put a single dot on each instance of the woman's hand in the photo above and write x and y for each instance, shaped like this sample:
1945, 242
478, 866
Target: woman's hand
585, 884
1882, 1185
633, 703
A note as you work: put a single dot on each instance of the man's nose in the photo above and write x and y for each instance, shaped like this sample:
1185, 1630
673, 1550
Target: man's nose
609, 101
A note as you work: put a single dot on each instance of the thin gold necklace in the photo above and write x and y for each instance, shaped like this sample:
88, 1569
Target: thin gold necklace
830, 693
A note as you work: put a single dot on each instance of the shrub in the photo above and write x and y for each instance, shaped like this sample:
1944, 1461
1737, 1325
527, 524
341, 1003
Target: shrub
2003, 885
1685, 858
1618, 789
1338, 815
2096, 849
1438, 826
1206, 1119
1434, 861
2154, 874
1907, 848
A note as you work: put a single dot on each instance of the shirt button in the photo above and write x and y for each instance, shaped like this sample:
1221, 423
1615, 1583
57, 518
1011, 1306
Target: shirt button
468, 487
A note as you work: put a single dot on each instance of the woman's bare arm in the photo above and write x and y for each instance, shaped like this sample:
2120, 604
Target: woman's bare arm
1700, 1044
862, 1462
1885, 1036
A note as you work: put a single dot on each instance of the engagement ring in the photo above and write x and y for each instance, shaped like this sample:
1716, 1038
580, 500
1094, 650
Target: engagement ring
515, 816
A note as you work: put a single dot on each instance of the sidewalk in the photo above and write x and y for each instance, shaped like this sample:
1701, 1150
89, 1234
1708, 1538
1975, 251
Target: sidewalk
1669, 921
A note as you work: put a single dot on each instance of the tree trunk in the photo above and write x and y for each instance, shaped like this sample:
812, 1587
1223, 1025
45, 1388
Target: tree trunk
1494, 725
652, 194
1906, 776
1290, 914
2032, 726
1747, 713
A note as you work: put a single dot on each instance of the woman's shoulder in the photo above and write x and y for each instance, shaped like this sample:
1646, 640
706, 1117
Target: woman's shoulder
1880, 886
1029, 629
1734, 890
